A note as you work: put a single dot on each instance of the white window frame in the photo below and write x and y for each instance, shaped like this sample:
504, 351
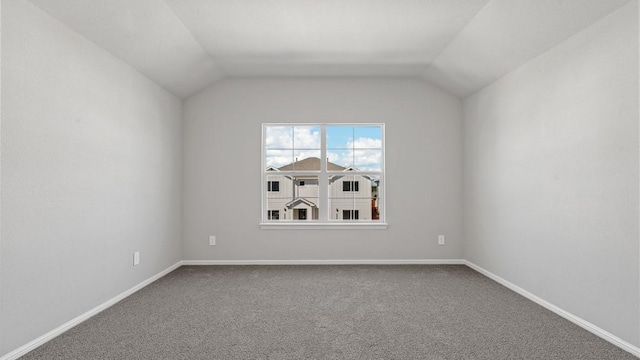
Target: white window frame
324, 221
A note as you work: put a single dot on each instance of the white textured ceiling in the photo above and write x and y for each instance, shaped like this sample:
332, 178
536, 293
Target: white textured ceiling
325, 33
460, 45
145, 34
507, 33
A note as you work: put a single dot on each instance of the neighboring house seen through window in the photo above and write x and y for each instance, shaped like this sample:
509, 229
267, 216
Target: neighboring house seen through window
323, 174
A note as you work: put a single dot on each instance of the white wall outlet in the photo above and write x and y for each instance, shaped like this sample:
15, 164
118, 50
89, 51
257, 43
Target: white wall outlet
212, 240
440, 239
136, 258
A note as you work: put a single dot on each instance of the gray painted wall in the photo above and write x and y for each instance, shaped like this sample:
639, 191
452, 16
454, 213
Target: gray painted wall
551, 175
91, 164
222, 137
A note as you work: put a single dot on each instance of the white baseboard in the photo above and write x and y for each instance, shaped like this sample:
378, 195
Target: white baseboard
565, 314
78, 320
329, 262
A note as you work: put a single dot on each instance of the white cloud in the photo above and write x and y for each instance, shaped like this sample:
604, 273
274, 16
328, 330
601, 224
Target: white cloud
283, 144
278, 137
366, 154
365, 143
278, 158
289, 137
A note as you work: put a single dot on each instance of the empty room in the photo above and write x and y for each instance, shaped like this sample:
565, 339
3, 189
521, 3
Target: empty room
320, 179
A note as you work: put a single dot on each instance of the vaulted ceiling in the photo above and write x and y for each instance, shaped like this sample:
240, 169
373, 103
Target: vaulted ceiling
459, 45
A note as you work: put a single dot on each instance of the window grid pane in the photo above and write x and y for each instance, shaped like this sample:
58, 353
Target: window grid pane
292, 147
296, 199
296, 150
354, 197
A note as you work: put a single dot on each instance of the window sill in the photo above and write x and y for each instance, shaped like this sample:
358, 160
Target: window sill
323, 226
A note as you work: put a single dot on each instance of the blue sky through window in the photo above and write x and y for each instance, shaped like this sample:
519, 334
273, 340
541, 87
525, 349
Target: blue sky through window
341, 137
359, 147
348, 146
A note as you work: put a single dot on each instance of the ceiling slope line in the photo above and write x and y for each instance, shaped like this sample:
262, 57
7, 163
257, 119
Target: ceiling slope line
145, 34
482, 53
220, 71
551, 47
453, 39
103, 49
545, 51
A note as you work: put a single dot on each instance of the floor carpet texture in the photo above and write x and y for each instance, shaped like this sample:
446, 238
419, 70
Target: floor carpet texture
327, 312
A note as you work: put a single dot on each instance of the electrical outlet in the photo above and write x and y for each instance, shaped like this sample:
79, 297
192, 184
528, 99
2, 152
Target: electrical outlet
212, 240
440, 239
136, 258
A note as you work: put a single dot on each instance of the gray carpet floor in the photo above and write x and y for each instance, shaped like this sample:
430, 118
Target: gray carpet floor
327, 312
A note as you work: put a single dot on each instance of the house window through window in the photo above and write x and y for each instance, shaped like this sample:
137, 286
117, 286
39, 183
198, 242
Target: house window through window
323, 173
273, 214
273, 185
350, 186
350, 214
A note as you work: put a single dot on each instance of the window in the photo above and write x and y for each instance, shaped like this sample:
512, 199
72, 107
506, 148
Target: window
350, 214
350, 186
321, 175
273, 185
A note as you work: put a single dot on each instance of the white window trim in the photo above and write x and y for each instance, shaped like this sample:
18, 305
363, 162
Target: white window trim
324, 223
314, 225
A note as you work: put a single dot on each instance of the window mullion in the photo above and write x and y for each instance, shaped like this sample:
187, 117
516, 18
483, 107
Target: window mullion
323, 180
263, 181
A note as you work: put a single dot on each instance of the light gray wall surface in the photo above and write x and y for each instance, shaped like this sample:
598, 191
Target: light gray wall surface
222, 140
91, 172
551, 175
